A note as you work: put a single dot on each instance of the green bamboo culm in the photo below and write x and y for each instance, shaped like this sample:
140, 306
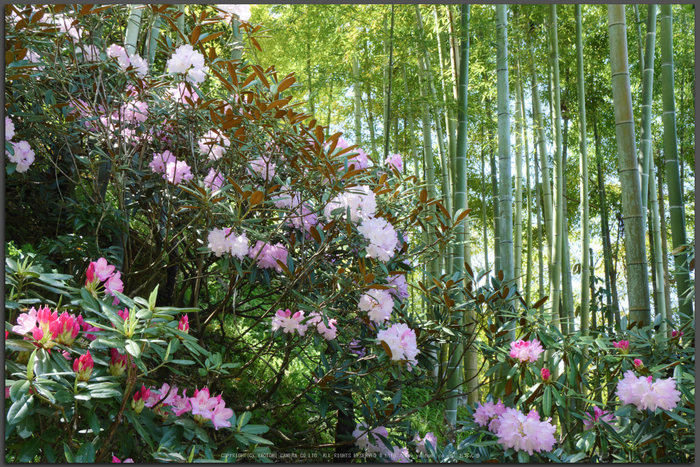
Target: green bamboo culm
647, 97
555, 271
358, 101
673, 180
411, 131
630, 185
583, 146
505, 201
180, 24
132, 29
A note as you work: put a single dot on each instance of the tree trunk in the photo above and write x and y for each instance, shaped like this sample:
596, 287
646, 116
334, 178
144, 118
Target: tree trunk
633, 216
540, 255
664, 245
387, 122
647, 97
673, 179
523, 118
518, 225
567, 289
411, 131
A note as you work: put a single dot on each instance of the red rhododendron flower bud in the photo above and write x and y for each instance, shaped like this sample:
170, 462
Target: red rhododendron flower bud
545, 374
184, 324
622, 346
117, 364
83, 366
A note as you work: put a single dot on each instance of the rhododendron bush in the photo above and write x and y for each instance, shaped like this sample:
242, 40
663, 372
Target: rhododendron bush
206, 263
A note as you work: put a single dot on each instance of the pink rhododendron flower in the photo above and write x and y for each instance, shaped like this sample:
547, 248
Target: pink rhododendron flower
242, 11
360, 199
269, 254
26, 322
65, 328
214, 180
209, 145
223, 241
23, 156
178, 171
289, 322
117, 362
641, 392
354, 347
184, 324
420, 443
360, 161
181, 404
526, 350
114, 284
83, 366
488, 413
263, 168
362, 438
382, 238
622, 346
133, 112
9, 129
675, 334
187, 60
202, 404
160, 160
68, 26
328, 332
182, 92
115, 460
401, 341
400, 286
525, 433
394, 161
118, 52
398, 455
598, 414
7, 392
378, 305
545, 374
103, 270
221, 415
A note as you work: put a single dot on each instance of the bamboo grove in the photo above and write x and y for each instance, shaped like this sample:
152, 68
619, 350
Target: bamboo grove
566, 130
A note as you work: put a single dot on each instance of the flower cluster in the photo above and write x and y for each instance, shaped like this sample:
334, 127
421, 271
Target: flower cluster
382, 238
263, 168
100, 271
48, 329
201, 405
378, 305
173, 170
598, 414
115, 460
399, 286
223, 241
189, 61
526, 350
209, 145
83, 366
327, 332
269, 254
214, 180
420, 443
361, 201
401, 341
363, 441
139, 64
118, 362
488, 413
394, 161
525, 433
23, 153
289, 322
242, 11
622, 346
641, 392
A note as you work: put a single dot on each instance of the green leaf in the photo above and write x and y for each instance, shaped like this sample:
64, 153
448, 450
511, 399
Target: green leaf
133, 348
86, 454
69, 454
19, 389
30, 365
254, 429
257, 439
29, 450
152, 299
20, 409
547, 401
245, 418
523, 457
93, 422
